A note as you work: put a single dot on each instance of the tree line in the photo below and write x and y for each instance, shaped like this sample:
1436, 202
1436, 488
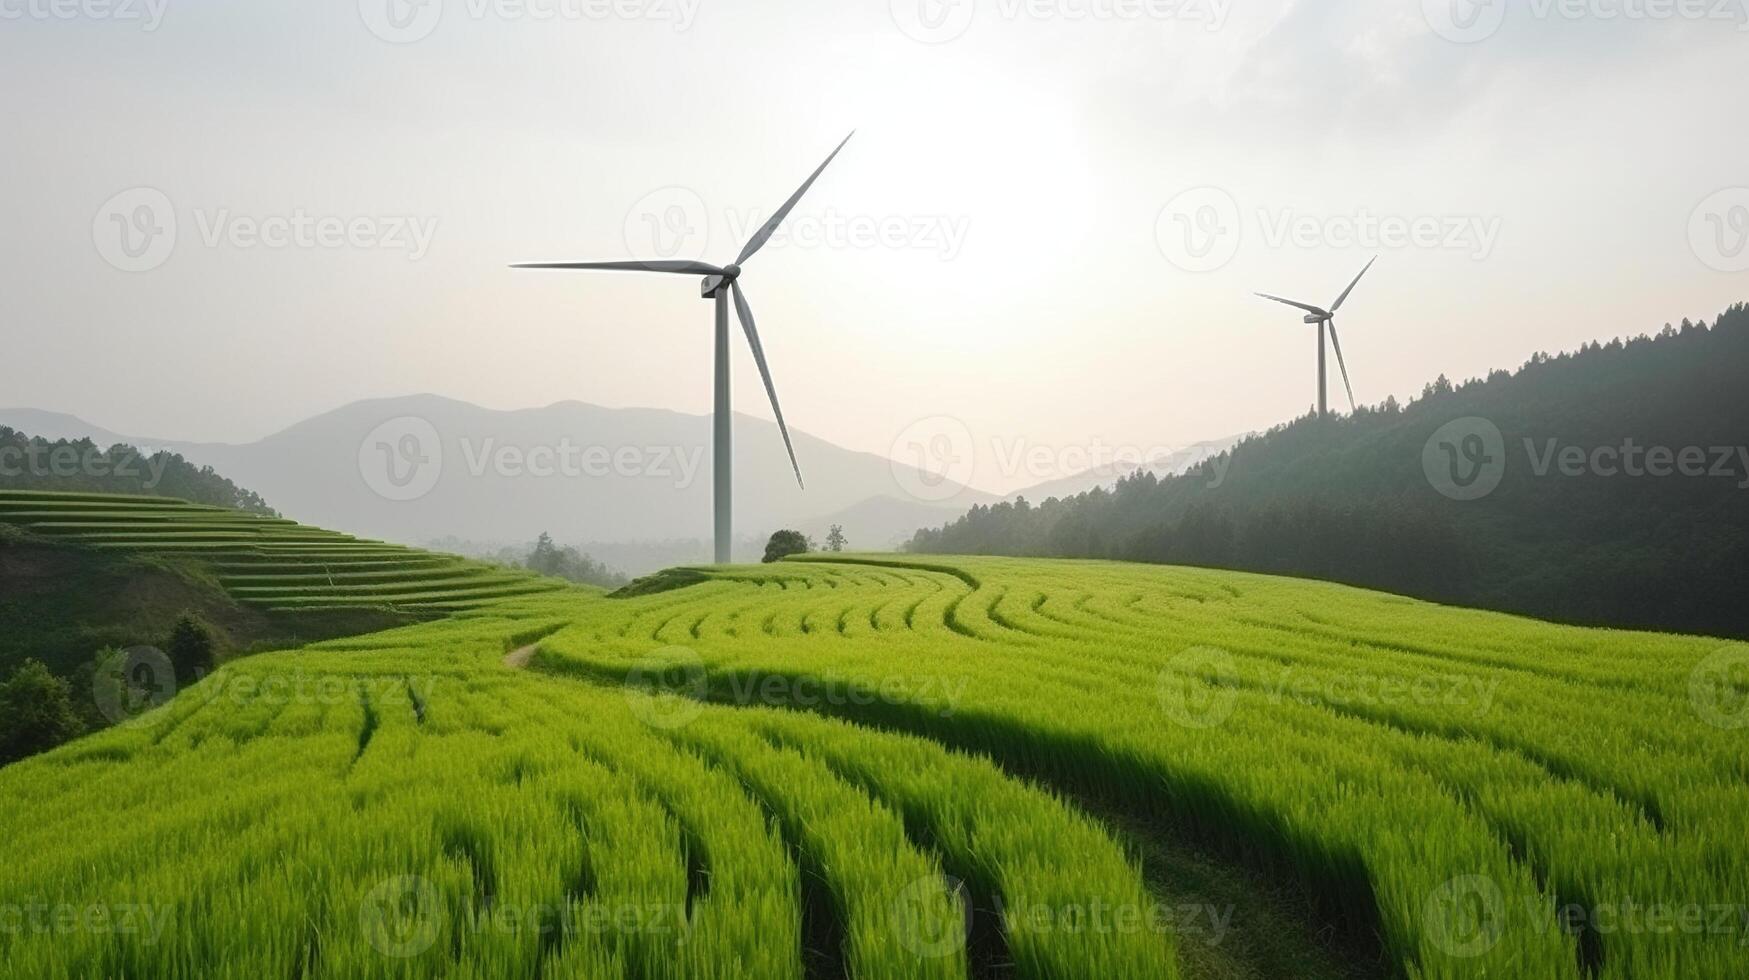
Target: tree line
1622, 495
81, 466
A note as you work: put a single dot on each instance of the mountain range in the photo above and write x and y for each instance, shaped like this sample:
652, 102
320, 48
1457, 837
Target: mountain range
631, 485
422, 468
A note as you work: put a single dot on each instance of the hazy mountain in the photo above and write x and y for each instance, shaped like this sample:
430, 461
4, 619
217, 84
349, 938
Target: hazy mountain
424, 468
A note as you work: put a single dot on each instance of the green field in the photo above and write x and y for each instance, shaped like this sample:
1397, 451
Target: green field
871, 767
267, 563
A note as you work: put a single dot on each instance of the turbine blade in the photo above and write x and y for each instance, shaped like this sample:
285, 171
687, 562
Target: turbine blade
1350, 289
764, 234
1337, 343
685, 267
1294, 303
745, 312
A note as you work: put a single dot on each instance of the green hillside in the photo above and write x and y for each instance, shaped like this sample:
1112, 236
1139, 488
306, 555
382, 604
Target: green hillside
1622, 475
872, 767
268, 563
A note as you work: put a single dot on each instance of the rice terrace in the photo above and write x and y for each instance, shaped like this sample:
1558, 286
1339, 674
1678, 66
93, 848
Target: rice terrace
875, 767
1013, 596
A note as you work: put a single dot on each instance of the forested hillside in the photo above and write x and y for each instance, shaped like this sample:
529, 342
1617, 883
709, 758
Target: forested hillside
81, 466
1622, 494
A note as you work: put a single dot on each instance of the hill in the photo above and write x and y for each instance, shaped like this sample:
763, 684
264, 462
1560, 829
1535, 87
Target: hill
425, 468
1603, 487
83, 572
83, 464
876, 767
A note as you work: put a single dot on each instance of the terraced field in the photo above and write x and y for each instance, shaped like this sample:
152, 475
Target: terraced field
870, 767
274, 564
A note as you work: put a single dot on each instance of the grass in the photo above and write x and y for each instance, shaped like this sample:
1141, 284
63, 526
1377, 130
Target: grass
873, 767
268, 563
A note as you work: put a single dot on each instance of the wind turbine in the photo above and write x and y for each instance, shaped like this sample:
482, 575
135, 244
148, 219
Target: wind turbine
1327, 318
722, 285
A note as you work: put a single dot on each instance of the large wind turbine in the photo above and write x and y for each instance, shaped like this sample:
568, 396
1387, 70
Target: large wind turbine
1327, 318
722, 284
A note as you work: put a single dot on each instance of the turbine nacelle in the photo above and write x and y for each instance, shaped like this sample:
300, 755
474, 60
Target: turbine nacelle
1316, 317
708, 289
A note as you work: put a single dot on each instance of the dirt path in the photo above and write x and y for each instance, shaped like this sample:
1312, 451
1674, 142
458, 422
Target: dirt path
518, 659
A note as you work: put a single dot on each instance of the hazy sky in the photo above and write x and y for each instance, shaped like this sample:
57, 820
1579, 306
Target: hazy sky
1007, 243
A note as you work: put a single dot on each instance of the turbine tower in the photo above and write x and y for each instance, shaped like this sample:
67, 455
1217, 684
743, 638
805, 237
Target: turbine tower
1327, 319
722, 285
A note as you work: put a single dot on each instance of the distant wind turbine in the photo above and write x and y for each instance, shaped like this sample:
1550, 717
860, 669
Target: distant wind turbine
720, 284
1327, 318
